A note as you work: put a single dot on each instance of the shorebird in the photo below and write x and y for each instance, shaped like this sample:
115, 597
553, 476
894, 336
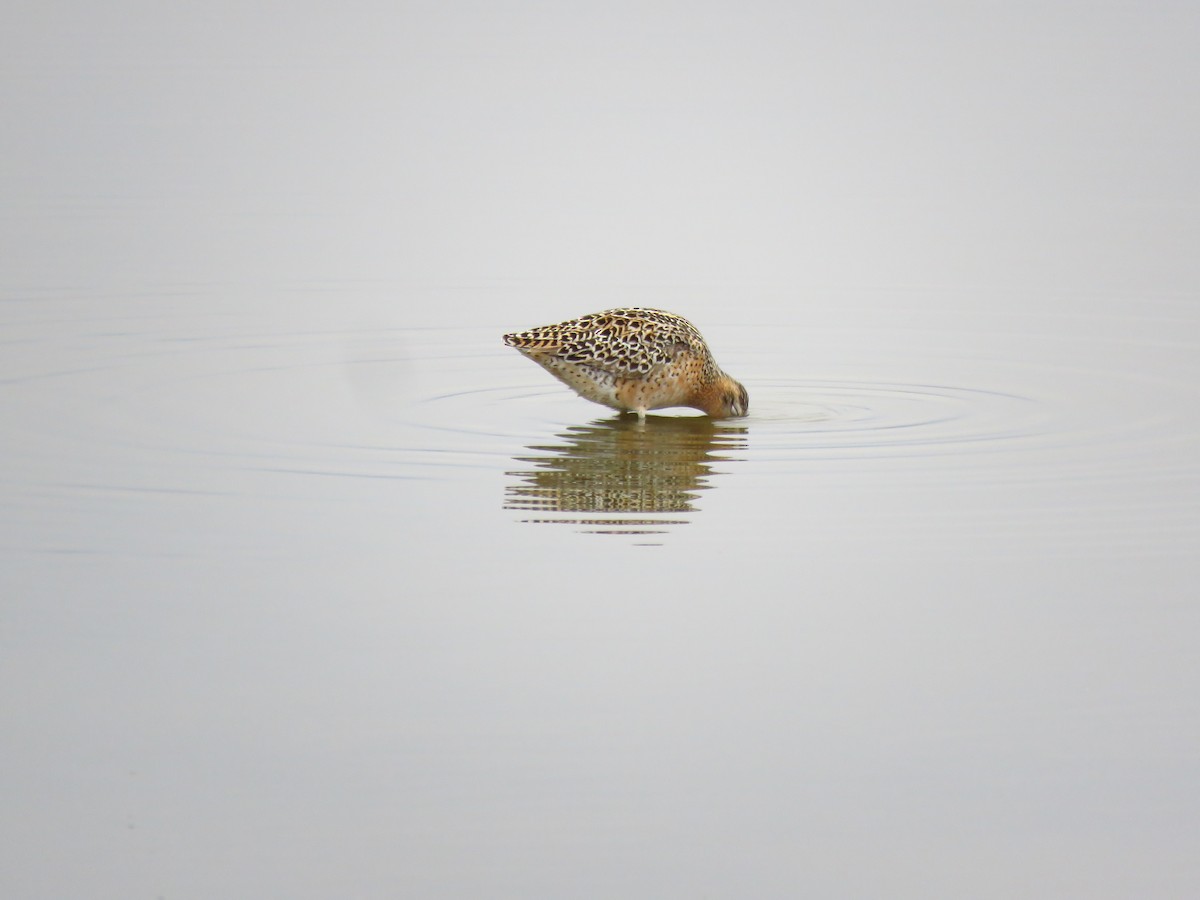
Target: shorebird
634, 360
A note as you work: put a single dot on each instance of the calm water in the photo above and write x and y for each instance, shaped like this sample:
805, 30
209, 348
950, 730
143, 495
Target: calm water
309, 587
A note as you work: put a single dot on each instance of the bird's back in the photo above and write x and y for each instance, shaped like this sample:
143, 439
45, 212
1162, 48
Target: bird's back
626, 343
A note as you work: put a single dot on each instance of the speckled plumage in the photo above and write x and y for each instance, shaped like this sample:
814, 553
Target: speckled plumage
634, 359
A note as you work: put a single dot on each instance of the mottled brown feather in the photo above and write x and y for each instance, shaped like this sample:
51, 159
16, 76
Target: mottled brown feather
635, 359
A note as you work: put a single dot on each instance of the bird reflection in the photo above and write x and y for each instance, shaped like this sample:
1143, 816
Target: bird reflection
622, 475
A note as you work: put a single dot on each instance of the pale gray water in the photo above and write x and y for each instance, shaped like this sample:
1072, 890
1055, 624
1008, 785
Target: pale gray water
309, 587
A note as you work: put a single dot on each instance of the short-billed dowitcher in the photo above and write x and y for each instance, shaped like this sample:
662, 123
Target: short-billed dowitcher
634, 359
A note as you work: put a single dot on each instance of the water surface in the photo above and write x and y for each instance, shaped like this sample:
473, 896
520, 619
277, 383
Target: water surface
309, 587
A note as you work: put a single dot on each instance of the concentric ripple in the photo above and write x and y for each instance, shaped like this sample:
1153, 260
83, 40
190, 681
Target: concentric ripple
847, 418
790, 418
